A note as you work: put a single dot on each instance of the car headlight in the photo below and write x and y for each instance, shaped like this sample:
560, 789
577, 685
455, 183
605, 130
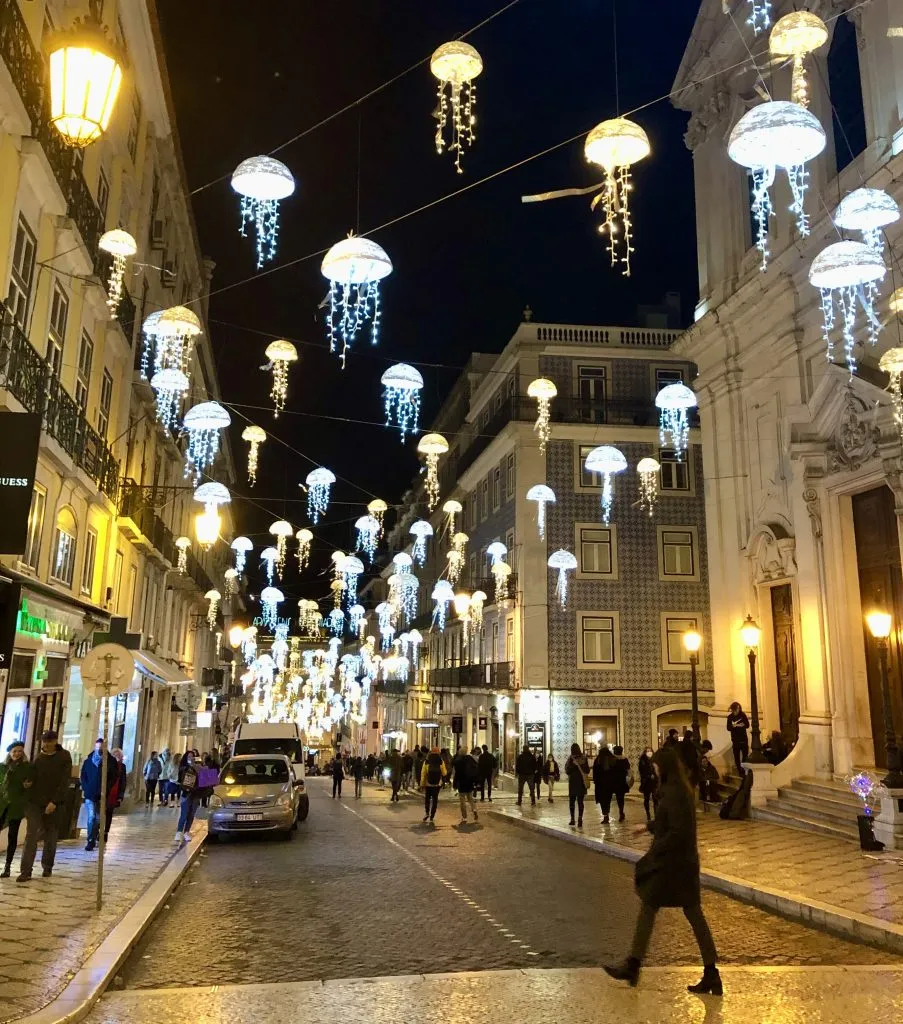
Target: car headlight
216, 801
284, 800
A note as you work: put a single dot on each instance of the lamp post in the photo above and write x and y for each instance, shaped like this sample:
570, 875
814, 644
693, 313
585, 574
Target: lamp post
751, 633
879, 624
692, 642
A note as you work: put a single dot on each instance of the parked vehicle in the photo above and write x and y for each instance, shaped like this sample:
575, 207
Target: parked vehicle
256, 793
275, 738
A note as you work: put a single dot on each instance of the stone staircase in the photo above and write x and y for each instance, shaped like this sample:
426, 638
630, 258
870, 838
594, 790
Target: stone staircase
816, 805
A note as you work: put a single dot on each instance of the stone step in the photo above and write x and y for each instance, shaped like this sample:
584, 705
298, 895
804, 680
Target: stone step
793, 803
829, 797
806, 824
828, 789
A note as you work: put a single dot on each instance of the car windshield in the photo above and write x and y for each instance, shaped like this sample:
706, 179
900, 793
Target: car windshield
259, 771
270, 745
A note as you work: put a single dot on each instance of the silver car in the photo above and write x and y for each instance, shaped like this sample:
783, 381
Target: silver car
256, 793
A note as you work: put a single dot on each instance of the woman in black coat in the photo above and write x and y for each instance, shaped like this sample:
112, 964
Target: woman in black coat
602, 781
648, 780
668, 874
577, 770
618, 773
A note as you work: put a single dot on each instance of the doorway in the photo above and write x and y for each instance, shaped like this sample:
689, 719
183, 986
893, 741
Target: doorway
785, 662
599, 731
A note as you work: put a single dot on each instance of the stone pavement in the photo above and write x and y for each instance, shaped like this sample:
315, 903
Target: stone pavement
50, 926
827, 881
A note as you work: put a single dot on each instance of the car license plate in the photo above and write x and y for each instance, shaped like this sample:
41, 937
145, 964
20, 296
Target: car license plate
249, 817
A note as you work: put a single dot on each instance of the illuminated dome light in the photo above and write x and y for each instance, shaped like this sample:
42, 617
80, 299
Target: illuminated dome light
415, 639
368, 530
462, 610
452, 508
203, 423
868, 210
796, 35
606, 460
404, 587
543, 390
456, 65
674, 402
309, 619
269, 557
213, 597
230, 580
241, 546
174, 334
616, 145
402, 562
771, 135
335, 622
120, 245
352, 569
443, 594
182, 545
281, 354
432, 446
255, 436
455, 565
304, 538
420, 530
402, 385
270, 599
496, 552
318, 482
759, 15
354, 268
207, 525
564, 561
891, 362
169, 386
357, 619
385, 615
500, 572
281, 530
477, 600
543, 496
851, 271
262, 182
378, 508
648, 470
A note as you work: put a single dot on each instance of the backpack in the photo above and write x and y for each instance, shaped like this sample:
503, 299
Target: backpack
434, 772
190, 778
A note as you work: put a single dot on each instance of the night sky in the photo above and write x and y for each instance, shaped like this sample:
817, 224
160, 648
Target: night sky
244, 82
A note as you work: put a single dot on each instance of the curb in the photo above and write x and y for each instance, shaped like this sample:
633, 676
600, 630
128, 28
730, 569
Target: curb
845, 924
90, 981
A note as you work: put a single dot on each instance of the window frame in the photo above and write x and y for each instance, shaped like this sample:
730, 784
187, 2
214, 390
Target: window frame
35, 532
689, 462
510, 474
21, 307
105, 404
586, 574
679, 372
57, 325
692, 620
580, 453
666, 577
83, 371
484, 499
495, 478
599, 666
67, 575
134, 133
86, 583
509, 639
103, 195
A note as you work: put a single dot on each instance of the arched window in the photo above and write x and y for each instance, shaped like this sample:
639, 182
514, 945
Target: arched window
62, 563
845, 84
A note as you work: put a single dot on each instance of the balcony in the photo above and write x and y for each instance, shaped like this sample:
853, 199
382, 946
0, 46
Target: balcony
495, 676
487, 585
146, 528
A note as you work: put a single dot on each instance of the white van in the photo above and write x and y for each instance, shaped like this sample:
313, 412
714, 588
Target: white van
275, 738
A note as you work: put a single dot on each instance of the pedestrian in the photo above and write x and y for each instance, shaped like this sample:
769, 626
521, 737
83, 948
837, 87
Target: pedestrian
737, 726
673, 738
775, 749
465, 781
432, 778
90, 777
539, 761
486, 768
188, 791
173, 790
153, 768
15, 772
358, 770
620, 779
165, 767
394, 763
525, 767
577, 770
338, 773
419, 757
120, 788
708, 775
445, 754
46, 790
668, 875
603, 781
551, 774
689, 754
371, 766
407, 767
648, 780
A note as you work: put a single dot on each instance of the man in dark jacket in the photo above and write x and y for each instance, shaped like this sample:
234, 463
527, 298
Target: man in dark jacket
90, 777
486, 772
419, 758
525, 766
393, 762
465, 781
50, 782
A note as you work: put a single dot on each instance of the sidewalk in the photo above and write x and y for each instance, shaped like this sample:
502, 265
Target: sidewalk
51, 929
826, 882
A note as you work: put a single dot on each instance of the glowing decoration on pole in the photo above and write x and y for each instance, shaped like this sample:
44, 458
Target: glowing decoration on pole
255, 436
868, 210
759, 15
431, 446
796, 35
354, 268
378, 508
564, 561
456, 65
462, 610
304, 538
213, 597
368, 530
543, 390
241, 546
352, 569
281, 354
262, 182
319, 481
182, 545
169, 386
452, 508
420, 530
281, 530
120, 245
891, 362
202, 424
443, 595
270, 599
851, 272
674, 402
543, 496
771, 135
230, 581
606, 460
402, 385
269, 557
648, 470
357, 619
501, 571
477, 600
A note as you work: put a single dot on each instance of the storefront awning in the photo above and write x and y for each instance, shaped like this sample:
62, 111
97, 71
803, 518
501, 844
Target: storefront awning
163, 671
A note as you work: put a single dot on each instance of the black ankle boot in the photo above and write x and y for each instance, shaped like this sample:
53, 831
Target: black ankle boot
628, 971
710, 983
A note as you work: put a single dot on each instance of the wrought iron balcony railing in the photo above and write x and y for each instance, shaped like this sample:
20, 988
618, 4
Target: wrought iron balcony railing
493, 676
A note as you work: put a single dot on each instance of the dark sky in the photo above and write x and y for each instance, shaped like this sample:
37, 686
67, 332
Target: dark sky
246, 77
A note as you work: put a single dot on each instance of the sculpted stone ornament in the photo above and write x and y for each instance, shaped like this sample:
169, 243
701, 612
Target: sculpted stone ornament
856, 438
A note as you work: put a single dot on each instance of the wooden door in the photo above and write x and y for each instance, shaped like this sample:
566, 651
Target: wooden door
785, 662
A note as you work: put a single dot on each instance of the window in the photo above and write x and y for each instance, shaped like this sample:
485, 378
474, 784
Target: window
495, 641
56, 332
592, 387
597, 551
665, 375
132, 596
511, 385
599, 730
473, 570
21, 275
62, 565
135, 128
117, 581
845, 84
586, 481
674, 474
87, 583
677, 547
83, 375
103, 196
484, 499
509, 475
674, 625
481, 653
509, 544
497, 400
496, 477
600, 641
472, 510
509, 638
35, 527
106, 401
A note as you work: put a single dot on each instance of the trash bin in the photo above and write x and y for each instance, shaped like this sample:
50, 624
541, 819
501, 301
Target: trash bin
69, 809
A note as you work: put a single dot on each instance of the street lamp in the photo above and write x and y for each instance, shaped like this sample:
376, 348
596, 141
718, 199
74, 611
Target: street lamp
236, 635
750, 634
879, 624
692, 642
206, 527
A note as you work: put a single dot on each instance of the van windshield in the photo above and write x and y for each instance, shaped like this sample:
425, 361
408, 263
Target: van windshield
259, 772
271, 745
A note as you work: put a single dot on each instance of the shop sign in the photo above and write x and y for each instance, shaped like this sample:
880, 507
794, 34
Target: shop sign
44, 629
9, 615
259, 621
457, 724
535, 735
482, 722
21, 432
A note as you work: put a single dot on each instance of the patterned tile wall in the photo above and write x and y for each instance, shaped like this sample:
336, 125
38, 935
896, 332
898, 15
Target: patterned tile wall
629, 379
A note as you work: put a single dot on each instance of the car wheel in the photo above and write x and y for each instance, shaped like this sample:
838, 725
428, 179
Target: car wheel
304, 809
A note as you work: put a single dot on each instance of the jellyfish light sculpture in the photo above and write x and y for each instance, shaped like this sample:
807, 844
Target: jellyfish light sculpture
500, 572
456, 65
357, 619
182, 545
415, 639
203, 424
281, 530
564, 561
281, 354
432, 446
543, 390
796, 35
496, 552
352, 569
455, 565
477, 600
606, 460
230, 581
174, 334
354, 268
674, 402
269, 557
305, 539
368, 531
462, 610
255, 436
262, 182
241, 546
319, 482
420, 530
270, 599
868, 210
452, 508
335, 622
443, 594
759, 15
543, 496
648, 470
402, 385
891, 362
169, 386
378, 508
213, 598
120, 245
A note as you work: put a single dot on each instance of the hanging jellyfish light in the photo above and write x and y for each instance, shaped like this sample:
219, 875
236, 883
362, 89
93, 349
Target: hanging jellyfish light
279, 650
149, 340
230, 581
406, 588
648, 470
431, 446
354, 268
255, 436
169, 386
850, 271
262, 182
304, 538
318, 482
378, 508
213, 598
443, 594
500, 572
868, 210
120, 245
241, 546
606, 460
772, 135
269, 557
281, 530
543, 496
270, 599
420, 530
402, 385
891, 362
415, 639
456, 65
564, 561
477, 600
385, 616
543, 390
759, 15
249, 644
203, 424
797, 35
338, 588
335, 622
455, 565
175, 333
496, 552
352, 569
368, 531
182, 545
281, 354
616, 145
357, 619
460, 541
452, 508
462, 610
309, 619
674, 402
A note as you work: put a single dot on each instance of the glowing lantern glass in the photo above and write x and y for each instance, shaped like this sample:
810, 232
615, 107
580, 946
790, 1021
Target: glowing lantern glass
270, 599
606, 460
543, 496
169, 386
615, 146
85, 77
648, 470
304, 538
354, 268
674, 402
203, 423
352, 569
420, 530
120, 245
241, 546
281, 354
319, 482
402, 385
443, 594
255, 436
281, 530
564, 562
230, 579
796, 35
262, 182
452, 508
456, 65
543, 390
500, 572
206, 528
771, 135
431, 446
477, 600
269, 557
368, 530
182, 545
213, 598
868, 210
891, 362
